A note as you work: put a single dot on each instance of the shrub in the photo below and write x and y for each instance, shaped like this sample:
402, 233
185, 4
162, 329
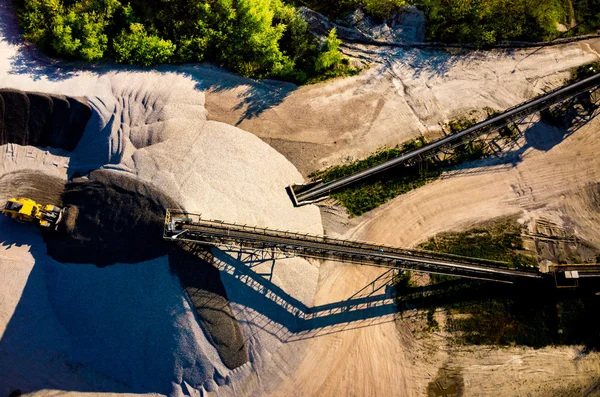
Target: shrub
585, 71
76, 31
382, 9
330, 56
136, 46
257, 38
494, 20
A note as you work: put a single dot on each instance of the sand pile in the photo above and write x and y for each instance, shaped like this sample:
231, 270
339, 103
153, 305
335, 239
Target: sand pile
130, 327
28, 183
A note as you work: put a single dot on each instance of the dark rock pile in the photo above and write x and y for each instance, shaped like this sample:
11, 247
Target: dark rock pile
44, 120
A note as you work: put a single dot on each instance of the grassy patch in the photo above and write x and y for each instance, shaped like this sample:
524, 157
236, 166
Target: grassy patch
403, 282
378, 189
535, 317
585, 71
373, 192
486, 313
381, 156
448, 382
499, 240
503, 321
364, 197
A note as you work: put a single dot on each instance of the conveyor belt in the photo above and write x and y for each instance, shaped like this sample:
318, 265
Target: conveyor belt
191, 227
305, 194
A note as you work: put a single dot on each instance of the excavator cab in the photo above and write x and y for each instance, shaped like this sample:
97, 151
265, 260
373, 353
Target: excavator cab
13, 206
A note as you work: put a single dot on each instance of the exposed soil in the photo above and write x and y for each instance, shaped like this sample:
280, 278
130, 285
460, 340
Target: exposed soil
44, 189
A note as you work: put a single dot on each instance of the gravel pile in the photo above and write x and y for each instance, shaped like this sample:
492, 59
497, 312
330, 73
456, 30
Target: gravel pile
147, 147
42, 120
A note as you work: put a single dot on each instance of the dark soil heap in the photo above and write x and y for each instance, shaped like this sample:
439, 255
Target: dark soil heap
110, 217
44, 189
37, 119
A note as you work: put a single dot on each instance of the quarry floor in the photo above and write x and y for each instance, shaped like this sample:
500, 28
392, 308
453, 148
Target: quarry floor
552, 175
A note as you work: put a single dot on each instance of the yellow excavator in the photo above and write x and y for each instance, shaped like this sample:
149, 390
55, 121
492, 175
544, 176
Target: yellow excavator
26, 210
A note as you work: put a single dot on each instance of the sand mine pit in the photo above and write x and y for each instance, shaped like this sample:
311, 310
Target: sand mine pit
105, 304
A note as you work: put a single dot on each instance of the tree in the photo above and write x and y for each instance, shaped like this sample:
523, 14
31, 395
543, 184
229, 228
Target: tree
252, 49
330, 56
79, 35
35, 17
137, 46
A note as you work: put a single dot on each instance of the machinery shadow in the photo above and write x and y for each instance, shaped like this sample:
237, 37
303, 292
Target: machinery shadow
74, 326
257, 301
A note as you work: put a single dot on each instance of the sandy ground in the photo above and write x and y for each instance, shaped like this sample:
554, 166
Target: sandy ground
555, 175
405, 93
343, 346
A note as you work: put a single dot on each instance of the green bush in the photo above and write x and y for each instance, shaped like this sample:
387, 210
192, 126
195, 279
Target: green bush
74, 31
587, 15
490, 21
256, 38
585, 71
499, 241
336, 9
382, 9
330, 56
137, 47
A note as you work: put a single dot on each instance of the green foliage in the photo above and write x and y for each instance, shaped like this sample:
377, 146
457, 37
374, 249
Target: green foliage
486, 313
402, 281
364, 197
499, 241
330, 56
585, 71
297, 44
532, 316
503, 322
252, 47
257, 38
335, 9
461, 124
432, 324
36, 19
75, 31
490, 21
381, 156
382, 9
137, 47
370, 194
587, 15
